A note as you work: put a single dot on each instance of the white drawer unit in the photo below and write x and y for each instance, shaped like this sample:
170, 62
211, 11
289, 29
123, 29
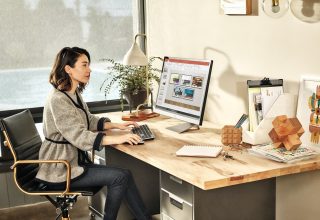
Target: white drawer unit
176, 198
175, 207
165, 217
177, 186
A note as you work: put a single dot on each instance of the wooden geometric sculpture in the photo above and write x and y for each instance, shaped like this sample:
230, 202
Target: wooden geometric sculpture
286, 132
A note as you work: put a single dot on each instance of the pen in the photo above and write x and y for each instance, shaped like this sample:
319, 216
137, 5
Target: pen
242, 119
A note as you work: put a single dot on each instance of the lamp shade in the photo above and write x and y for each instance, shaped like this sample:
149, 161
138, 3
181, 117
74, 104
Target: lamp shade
135, 56
307, 11
275, 8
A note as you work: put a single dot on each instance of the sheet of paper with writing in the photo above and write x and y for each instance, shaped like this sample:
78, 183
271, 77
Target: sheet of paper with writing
269, 96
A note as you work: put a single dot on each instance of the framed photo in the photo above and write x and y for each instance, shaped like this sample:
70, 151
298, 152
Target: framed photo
308, 110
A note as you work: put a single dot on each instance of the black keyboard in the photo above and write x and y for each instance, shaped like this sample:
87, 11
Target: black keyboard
144, 132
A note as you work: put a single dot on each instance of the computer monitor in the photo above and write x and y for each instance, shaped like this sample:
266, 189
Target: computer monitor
183, 91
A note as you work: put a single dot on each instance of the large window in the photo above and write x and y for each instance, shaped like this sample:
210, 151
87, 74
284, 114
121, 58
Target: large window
33, 31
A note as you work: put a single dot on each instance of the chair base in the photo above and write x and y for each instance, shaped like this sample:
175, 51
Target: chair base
62, 204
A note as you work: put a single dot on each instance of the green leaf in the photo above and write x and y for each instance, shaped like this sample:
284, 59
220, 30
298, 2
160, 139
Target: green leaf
129, 78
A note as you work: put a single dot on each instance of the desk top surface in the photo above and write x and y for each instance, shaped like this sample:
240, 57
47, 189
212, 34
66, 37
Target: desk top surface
205, 173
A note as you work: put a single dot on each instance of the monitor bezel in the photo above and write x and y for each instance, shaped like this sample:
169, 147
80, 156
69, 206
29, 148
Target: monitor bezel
182, 116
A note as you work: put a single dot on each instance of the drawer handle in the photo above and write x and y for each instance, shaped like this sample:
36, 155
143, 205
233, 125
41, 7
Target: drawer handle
176, 201
175, 179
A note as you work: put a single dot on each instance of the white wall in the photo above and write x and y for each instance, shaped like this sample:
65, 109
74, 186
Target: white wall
242, 47
298, 196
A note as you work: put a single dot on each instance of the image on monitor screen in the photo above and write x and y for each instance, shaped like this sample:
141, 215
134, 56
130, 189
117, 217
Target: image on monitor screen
183, 89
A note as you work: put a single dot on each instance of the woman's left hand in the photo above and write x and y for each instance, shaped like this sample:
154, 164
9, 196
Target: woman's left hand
125, 125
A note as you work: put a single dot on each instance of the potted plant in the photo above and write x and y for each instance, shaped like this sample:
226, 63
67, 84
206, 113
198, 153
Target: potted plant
132, 80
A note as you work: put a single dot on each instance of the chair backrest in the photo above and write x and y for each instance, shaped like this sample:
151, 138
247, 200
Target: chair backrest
24, 142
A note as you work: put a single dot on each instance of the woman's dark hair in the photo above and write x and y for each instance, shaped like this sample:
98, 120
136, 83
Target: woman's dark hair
59, 78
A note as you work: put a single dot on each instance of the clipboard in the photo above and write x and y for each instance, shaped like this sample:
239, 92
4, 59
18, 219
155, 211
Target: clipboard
261, 96
265, 82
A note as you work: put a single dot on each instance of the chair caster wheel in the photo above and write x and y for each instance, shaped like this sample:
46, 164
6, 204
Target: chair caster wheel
92, 216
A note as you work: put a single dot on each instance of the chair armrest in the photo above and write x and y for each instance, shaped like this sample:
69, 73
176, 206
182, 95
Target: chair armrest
92, 155
46, 161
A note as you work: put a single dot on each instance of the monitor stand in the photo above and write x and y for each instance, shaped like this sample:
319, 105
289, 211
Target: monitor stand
183, 127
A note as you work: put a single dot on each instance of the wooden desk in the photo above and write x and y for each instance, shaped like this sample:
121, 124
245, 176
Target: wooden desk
231, 199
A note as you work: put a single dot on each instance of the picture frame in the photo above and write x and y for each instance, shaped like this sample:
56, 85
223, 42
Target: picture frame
308, 110
236, 7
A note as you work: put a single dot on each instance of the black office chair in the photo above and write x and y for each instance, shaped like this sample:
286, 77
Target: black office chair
23, 140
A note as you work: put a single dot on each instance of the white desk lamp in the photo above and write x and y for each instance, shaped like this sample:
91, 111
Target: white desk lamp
135, 57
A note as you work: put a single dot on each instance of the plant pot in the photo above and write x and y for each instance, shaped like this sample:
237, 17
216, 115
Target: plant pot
135, 99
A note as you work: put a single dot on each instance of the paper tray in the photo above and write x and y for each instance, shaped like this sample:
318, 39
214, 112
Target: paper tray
285, 104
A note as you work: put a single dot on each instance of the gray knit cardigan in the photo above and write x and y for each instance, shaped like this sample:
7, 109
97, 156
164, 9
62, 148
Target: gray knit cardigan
67, 127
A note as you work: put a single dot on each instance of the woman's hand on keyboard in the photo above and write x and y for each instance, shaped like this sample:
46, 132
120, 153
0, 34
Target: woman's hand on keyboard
124, 126
131, 139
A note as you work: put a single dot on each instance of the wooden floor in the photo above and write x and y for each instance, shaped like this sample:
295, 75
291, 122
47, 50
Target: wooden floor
44, 211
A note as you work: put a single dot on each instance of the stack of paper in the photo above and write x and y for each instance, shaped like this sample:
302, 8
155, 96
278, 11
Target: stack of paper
261, 100
283, 155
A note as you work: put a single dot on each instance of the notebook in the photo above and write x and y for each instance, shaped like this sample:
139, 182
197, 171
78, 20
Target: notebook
199, 151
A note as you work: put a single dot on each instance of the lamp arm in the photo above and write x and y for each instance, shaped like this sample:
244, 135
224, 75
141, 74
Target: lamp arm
137, 35
145, 41
146, 70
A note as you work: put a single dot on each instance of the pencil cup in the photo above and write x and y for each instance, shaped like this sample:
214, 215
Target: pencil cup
231, 135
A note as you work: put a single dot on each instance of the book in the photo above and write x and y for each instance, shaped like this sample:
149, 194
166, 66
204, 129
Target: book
199, 151
282, 154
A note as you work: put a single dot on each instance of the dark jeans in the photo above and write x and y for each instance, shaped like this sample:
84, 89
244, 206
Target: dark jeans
120, 185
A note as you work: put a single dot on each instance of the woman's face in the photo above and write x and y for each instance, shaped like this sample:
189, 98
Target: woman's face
81, 70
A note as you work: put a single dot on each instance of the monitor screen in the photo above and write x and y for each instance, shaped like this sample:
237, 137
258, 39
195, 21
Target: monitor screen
183, 89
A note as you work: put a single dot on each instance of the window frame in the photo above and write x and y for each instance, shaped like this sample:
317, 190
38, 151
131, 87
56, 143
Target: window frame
94, 107
97, 106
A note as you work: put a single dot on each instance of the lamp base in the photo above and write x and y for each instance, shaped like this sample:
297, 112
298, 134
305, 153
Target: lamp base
139, 116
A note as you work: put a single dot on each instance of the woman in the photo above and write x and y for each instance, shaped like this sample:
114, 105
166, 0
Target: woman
70, 130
